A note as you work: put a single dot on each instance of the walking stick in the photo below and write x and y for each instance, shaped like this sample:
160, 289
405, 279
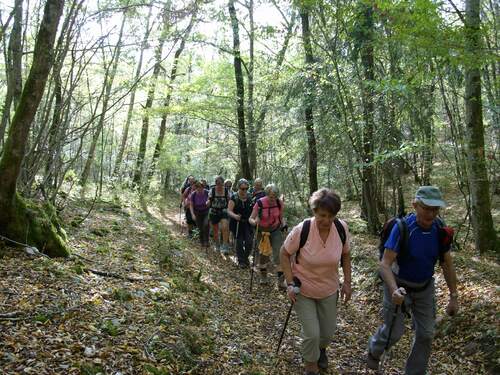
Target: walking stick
254, 253
180, 217
384, 354
296, 289
236, 236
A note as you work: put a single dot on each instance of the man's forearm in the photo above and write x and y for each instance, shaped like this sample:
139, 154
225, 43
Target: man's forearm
388, 277
450, 276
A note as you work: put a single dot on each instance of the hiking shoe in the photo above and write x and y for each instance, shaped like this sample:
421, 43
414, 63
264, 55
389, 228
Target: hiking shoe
243, 265
224, 249
323, 359
311, 373
371, 361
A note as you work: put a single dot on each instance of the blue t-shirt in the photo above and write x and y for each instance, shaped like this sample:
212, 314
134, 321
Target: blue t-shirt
423, 248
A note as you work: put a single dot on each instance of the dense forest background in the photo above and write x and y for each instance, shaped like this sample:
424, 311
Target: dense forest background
107, 106
371, 98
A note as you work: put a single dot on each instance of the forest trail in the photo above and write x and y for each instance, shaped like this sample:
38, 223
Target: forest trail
163, 306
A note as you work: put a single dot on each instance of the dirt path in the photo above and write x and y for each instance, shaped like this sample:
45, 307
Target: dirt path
159, 305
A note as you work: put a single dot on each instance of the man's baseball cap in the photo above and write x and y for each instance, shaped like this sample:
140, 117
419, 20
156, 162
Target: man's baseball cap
430, 196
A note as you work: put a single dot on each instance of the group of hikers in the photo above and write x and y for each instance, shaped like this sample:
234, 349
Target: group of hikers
307, 261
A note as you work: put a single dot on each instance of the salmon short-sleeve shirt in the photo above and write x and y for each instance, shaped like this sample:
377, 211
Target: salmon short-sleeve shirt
318, 267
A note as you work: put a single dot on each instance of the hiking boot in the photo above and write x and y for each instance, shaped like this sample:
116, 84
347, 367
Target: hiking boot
243, 265
371, 361
323, 359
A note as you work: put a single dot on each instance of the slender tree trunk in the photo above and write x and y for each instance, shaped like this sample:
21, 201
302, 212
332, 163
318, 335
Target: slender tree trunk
240, 94
482, 222
309, 102
15, 216
13, 67
252, 136
170, 88
150, 98
368, 177
123, 143
108, 84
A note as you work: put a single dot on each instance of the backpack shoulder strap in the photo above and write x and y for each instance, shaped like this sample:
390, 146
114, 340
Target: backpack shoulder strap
304, 233
340, 230
403, 235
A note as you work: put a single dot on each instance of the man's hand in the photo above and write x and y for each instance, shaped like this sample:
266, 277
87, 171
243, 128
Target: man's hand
345, 292
452, 308
398, 296
256, 220
290, 290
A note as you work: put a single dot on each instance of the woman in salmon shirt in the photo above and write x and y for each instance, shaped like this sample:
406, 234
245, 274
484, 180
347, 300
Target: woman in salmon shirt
318, 270
268, 214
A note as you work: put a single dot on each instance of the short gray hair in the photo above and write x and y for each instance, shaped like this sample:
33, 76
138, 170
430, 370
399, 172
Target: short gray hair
272, 188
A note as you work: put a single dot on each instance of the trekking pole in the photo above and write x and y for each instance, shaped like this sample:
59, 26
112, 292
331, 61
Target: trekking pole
180, 217
254, 253
296, 289
384, 354
236, 236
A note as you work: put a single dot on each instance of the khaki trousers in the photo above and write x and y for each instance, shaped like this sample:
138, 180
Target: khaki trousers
318, 318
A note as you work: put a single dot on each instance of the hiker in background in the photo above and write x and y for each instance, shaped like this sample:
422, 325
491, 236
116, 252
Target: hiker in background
205, 184
318, 244
257, 190
407, 268
199, 211
267, 214
218, 200
239, 210
228, 184
186, 190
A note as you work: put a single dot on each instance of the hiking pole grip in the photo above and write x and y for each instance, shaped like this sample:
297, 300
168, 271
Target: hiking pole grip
253, 260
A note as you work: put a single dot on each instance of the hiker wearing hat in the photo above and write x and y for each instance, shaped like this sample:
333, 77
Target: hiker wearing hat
318, 244
267, 216
239, 210
407, 268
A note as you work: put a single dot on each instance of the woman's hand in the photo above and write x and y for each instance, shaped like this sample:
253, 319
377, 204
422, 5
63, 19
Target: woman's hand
290, 290
346, 292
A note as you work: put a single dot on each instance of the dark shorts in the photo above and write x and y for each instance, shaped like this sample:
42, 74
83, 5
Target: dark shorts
216, 216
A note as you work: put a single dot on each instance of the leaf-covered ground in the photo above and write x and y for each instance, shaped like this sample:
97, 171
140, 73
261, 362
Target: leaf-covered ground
136, 297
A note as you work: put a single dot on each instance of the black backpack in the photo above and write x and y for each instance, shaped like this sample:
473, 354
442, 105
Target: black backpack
304, 234
444, 240
226, 194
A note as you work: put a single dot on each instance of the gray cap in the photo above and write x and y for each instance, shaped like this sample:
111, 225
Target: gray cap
430, 196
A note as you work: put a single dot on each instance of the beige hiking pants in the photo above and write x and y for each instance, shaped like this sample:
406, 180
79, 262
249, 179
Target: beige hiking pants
318, 318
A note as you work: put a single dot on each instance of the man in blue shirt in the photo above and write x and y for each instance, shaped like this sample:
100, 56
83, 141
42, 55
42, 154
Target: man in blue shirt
408, 281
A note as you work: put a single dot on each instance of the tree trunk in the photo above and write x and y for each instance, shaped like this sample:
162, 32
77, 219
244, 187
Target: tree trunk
150, 98
121, 151
309, 101
17, 220
482, 222
368, 177
252, 136
13, 67
166, 103
240, 94
108, 84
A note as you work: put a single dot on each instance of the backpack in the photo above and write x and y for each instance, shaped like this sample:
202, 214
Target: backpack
445, 237
212, 194
261, 206
304, 234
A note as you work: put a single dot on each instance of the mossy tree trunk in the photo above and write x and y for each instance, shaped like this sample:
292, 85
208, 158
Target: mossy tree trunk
17, 220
